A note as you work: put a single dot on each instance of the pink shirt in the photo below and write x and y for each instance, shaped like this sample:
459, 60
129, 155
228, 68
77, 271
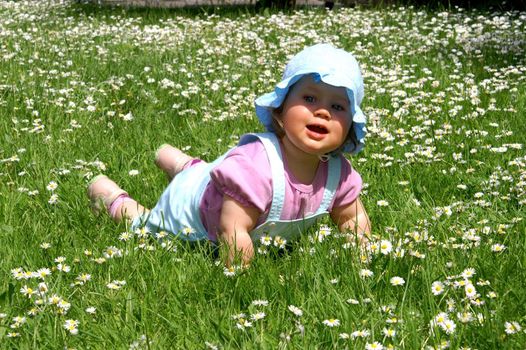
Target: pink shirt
245, 176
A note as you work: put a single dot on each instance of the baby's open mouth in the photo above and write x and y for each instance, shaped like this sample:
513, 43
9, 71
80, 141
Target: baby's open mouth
317, 129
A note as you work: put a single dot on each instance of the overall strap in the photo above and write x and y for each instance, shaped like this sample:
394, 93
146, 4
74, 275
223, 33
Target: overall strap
272, 147
333, 179
271, 143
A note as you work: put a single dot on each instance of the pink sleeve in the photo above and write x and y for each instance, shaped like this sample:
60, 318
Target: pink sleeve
350, 185
245, 176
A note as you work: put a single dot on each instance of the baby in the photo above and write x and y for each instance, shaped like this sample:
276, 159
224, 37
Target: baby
276, 183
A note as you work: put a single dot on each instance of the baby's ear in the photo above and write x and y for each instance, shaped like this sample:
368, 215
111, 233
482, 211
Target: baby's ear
276, 113
277, 119
277, 124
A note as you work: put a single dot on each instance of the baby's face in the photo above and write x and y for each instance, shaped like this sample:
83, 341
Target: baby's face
316, 116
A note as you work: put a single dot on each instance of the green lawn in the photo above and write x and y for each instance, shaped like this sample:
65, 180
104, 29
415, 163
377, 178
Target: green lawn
87, 90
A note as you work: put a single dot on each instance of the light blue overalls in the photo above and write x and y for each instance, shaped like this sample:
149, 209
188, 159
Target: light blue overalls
177, 211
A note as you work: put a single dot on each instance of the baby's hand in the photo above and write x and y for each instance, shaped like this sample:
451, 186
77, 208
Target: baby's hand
353, 218
235, 223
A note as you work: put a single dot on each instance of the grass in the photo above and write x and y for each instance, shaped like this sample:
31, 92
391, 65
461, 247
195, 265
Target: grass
445, 97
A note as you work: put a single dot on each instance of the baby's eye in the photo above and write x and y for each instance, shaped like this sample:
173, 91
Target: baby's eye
309, 99
338, 107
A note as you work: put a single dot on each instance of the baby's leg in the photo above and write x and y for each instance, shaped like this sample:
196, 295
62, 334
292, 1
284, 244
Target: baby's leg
171, 160
107, 195
125, 208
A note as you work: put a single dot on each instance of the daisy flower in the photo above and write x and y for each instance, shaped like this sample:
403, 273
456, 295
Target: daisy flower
53, 199
373, 247
465, 317
260, 302
512, 327
27, 291
83, 278
51, 186
295, 310
323, 232
112, 252
18, 273
389, 332
437, 288
161, 234
42, 288
266, 240
72, 326
43, 273
187, 231
332, 322
448, 326
115, 285
60, 259
142, 232
258, 316
63, 267
440, 318
397, 281
470, 290
100, 260
125, 236
279, 242
374, 346
18, 321
364, 273
54, 299
45, 245
468, 273
229, 271
385, 247
364, 333
242, 324
392, 320
64, 305
211, 346
497, 248
127, 117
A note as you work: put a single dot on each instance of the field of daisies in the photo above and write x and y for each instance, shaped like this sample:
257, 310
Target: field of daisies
87, 90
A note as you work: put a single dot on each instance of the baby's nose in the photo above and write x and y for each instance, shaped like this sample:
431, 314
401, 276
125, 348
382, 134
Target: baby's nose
322, 113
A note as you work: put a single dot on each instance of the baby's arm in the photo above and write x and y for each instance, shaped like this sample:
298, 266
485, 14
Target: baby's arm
235, 223
353, 218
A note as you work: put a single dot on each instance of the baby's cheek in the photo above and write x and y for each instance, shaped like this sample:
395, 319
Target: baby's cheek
349, 125
345, 126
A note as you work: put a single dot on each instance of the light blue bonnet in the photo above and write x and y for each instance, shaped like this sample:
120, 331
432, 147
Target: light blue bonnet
331, 65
